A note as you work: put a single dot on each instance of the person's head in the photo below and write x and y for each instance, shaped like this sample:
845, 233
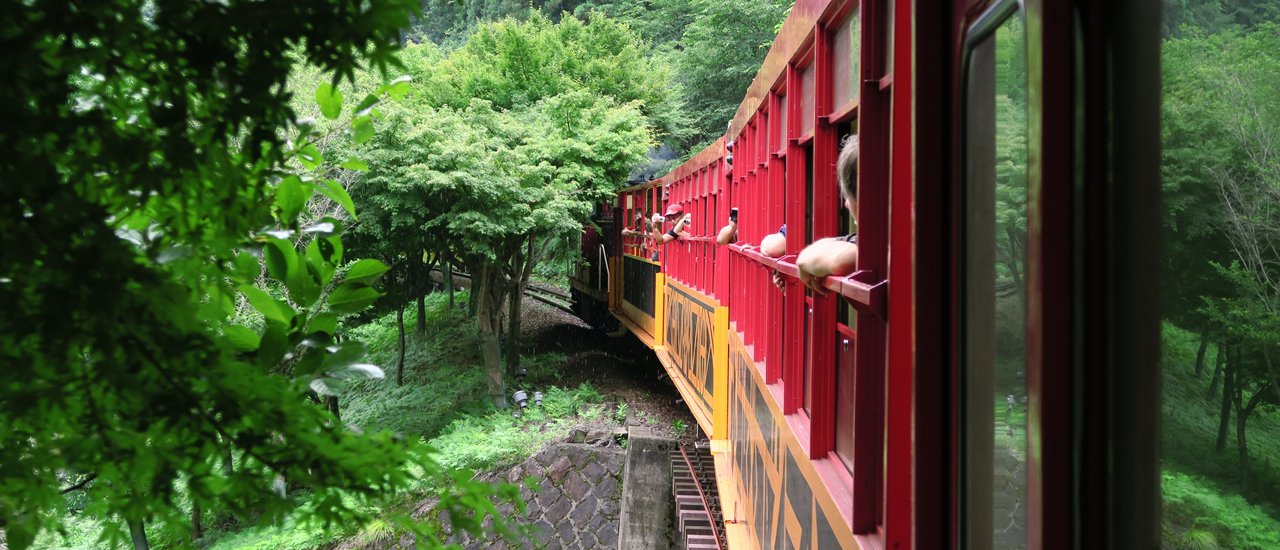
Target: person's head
674, 211
847, 173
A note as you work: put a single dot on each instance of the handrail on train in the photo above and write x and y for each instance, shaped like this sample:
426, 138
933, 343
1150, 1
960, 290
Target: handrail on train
604, 261
862, 287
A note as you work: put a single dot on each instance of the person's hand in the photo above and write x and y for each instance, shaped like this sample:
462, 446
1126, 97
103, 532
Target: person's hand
812, 281
825, 257
773, 245
780, 281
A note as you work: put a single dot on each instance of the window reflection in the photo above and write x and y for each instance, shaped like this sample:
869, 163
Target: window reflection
994, 292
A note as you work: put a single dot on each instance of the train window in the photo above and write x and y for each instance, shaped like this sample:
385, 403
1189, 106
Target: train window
994, 294
782, 124
808, 194
888, 36
806, 99
807, 393
845, 60
845, 353
808, 316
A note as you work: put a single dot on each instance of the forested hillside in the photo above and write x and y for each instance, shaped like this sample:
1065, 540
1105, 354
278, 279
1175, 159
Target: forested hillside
1221, 105
711, 48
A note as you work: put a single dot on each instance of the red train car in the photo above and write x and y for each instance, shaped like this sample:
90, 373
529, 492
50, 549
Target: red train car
988, 375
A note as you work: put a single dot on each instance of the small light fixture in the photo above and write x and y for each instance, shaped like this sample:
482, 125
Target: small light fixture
537, 398
521, 398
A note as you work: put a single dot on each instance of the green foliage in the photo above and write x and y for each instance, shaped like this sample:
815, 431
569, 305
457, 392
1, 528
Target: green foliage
441, 380
679, 427
172, 279
1201, 487
720, 52
1216, 15
1228, 520
621, 413
497, 439
504, 146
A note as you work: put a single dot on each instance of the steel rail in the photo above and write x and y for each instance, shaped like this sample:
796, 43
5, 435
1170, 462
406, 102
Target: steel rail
531, 292
697, 484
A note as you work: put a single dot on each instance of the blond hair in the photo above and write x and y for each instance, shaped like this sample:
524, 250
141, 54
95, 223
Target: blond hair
847, 168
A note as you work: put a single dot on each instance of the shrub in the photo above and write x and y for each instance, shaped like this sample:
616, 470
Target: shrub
1227, 519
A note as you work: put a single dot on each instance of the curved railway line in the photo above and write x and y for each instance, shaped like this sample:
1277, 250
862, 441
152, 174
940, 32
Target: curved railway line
545, 294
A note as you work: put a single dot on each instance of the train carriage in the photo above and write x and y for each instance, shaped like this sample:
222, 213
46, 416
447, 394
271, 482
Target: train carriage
988, 375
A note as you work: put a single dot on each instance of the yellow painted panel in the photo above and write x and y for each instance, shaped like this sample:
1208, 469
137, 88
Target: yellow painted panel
720, 364
659, 308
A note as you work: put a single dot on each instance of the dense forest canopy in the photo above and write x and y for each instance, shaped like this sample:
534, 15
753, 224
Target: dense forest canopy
713, 48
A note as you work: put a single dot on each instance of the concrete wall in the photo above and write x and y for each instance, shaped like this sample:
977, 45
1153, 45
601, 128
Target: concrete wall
647, 505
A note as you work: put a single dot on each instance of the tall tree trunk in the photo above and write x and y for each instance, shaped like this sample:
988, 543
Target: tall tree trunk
197, 528
139, 535
400, 347
421, 289
1242, 444
487, 300
332, 402
1217, 372
513, 332
523, 268
1204, 347
448, 281
1243, 412
228, 466
1224, 418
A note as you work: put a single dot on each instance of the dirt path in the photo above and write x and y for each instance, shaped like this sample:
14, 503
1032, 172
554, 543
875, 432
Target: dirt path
621, 368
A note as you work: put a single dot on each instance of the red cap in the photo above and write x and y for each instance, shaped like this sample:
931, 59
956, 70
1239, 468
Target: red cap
674, 209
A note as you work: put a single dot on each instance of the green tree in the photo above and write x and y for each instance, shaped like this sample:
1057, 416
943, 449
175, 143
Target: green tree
150, 175
720, 52
506, 146
1223, 182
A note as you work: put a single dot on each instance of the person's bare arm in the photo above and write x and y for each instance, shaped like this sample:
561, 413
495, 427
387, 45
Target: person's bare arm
826, 257
727, 233
664, 237
773, 245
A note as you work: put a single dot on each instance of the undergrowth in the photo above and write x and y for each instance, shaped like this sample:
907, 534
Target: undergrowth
444, 401
1205, 506
497, 439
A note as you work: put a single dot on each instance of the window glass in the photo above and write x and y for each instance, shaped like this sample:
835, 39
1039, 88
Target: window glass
994, 291
847, 46
782, 124
888, 37
845, 353
806, 99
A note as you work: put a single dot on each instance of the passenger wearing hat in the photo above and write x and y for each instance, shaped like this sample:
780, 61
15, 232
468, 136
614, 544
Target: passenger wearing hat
677, 231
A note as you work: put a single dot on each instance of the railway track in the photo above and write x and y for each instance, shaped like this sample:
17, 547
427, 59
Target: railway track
699, 522
545, 294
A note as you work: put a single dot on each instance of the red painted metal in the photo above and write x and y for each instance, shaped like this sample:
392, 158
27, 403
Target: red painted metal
901, 343
826, 207
796, 35
873, 212
793, 301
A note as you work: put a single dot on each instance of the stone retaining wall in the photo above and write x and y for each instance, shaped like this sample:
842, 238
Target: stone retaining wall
578, 500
